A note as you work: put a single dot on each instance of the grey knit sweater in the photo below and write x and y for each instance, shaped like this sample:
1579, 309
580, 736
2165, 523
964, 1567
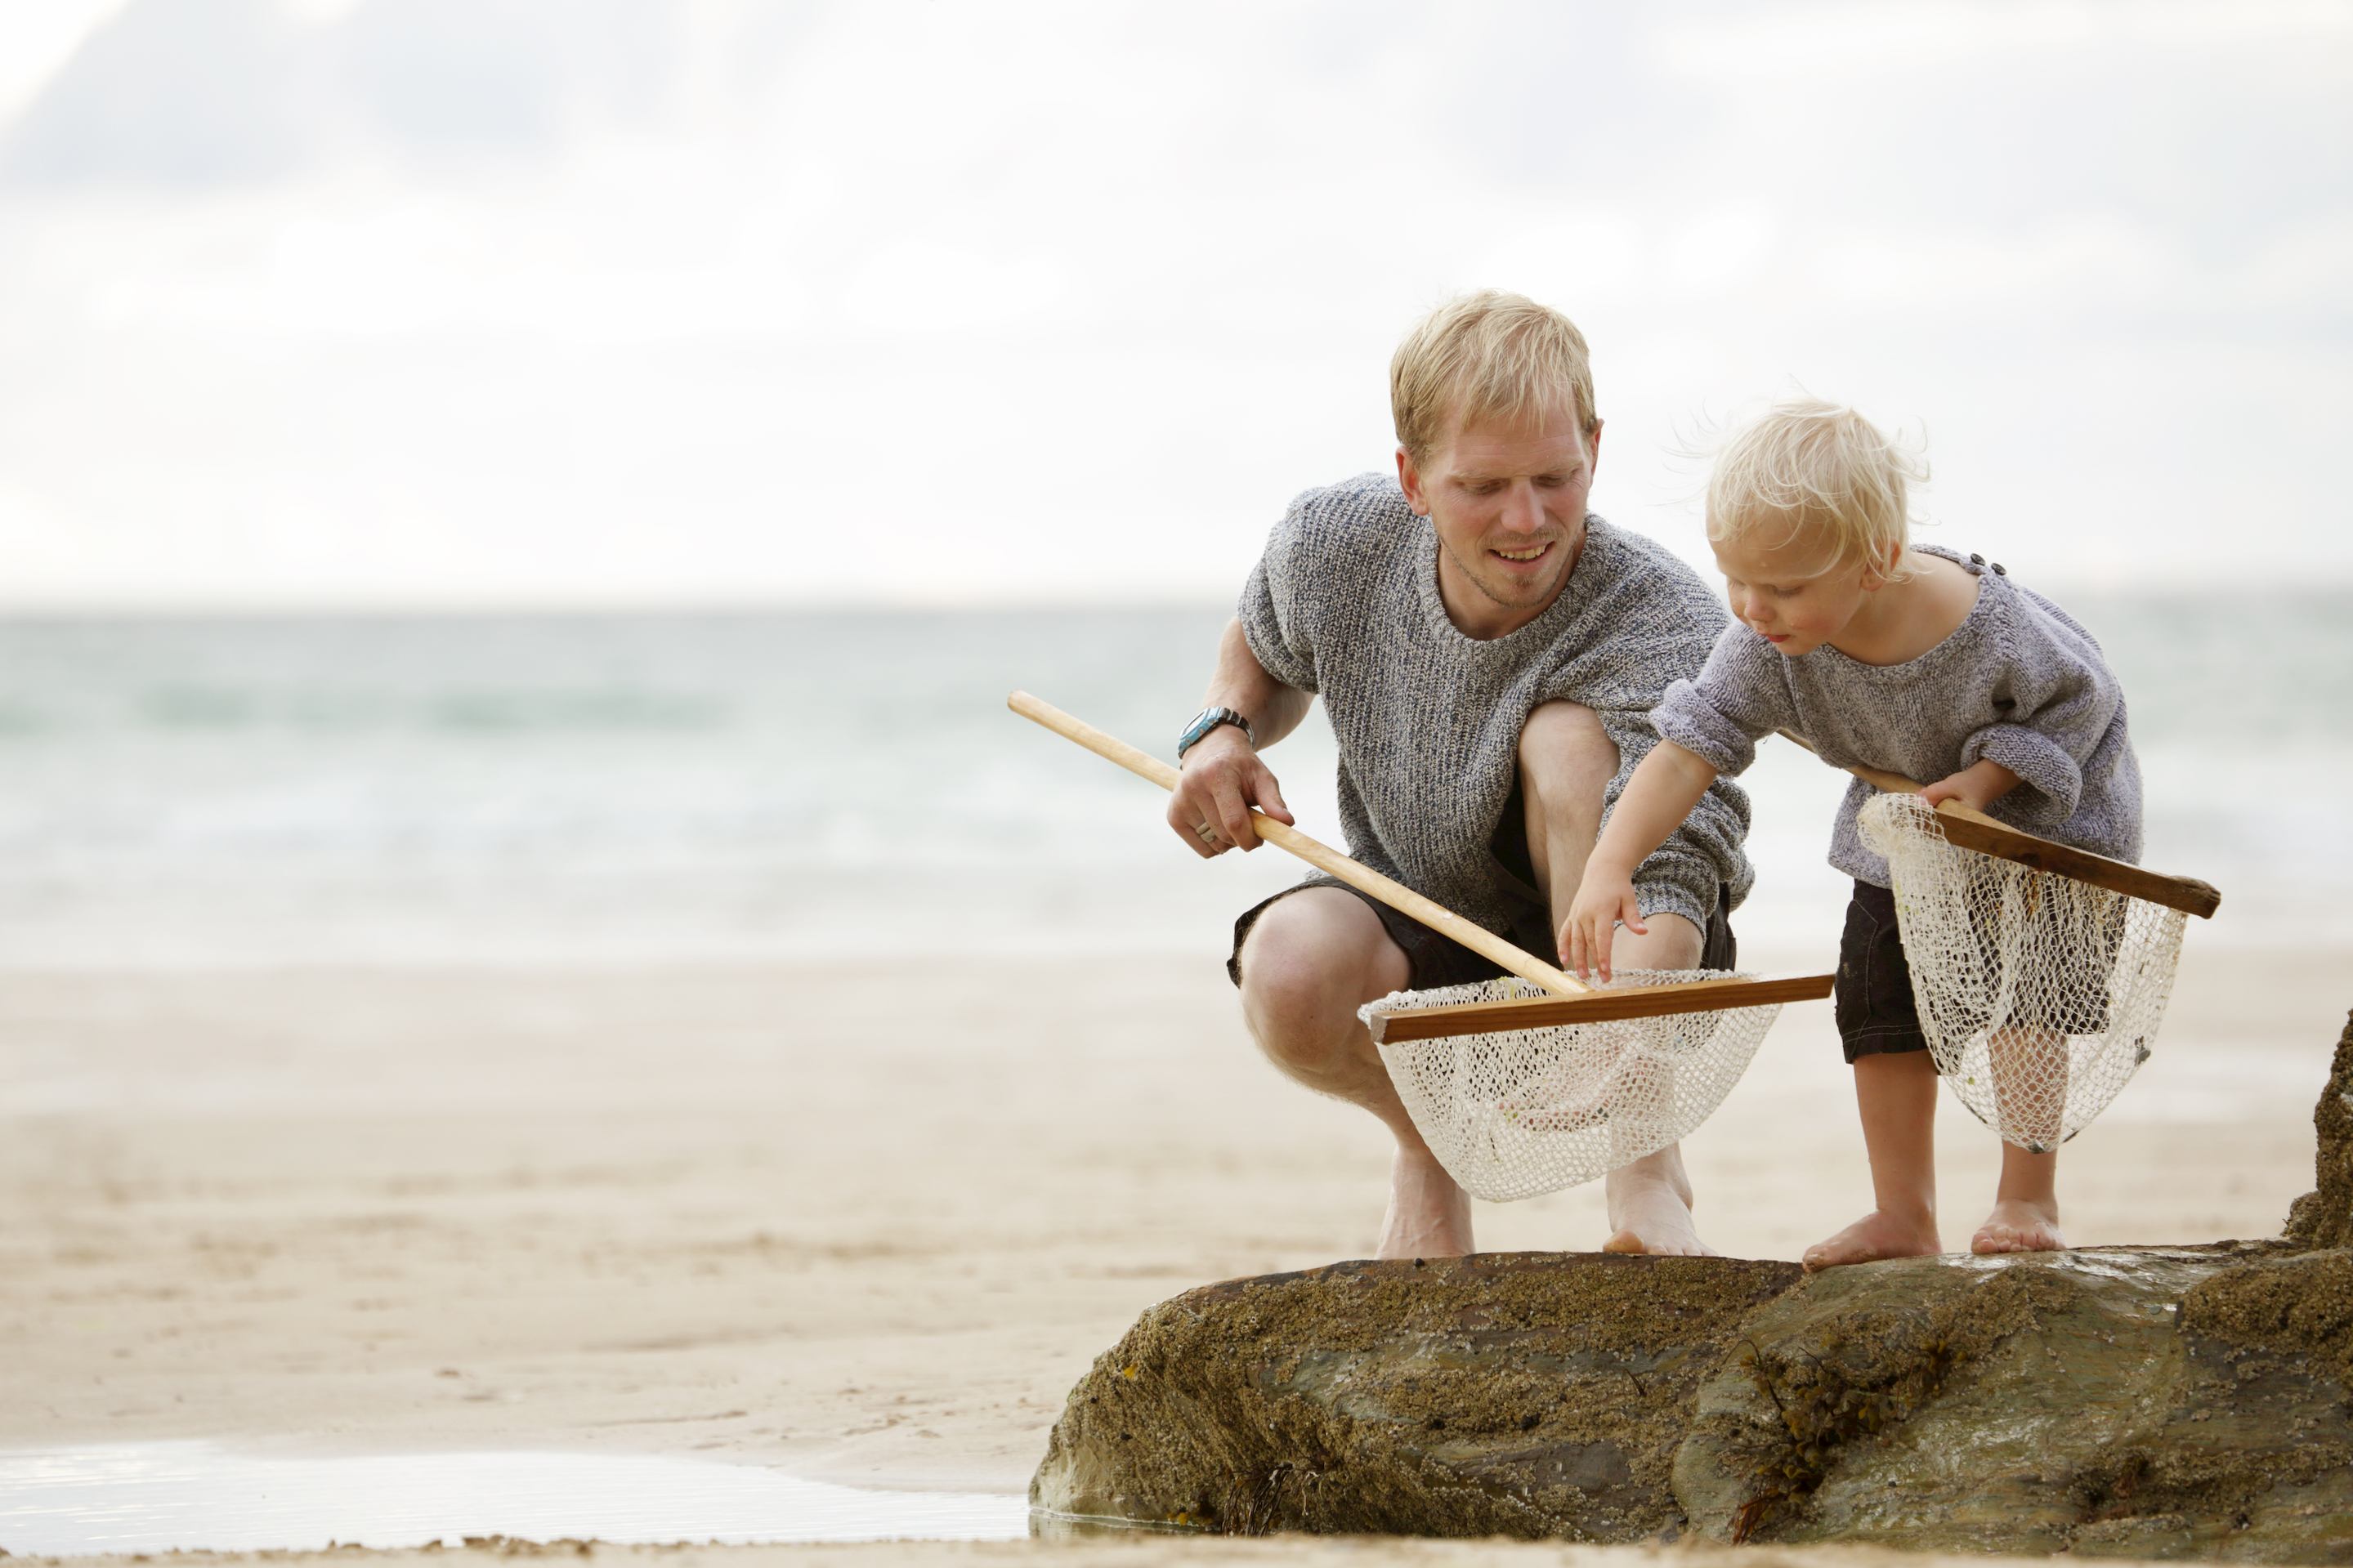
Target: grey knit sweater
1344, 602
2018, 681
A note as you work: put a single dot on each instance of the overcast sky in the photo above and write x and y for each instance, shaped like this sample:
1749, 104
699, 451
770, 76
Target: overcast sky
617, 302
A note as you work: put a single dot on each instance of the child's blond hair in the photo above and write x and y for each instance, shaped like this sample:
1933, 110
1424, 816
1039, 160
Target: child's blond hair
1806, 468
1487, 356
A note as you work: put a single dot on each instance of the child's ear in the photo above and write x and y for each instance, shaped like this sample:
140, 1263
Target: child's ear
1878, 573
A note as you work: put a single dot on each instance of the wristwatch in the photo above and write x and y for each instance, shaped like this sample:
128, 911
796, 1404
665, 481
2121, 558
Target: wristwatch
1208, 718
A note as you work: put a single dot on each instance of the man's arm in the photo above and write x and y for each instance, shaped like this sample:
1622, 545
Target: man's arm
1222, 776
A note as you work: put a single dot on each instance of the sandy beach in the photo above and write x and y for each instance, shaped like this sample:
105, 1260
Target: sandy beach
863, 1223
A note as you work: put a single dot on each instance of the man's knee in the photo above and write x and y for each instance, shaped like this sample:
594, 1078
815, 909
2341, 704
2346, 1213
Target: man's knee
1672, 942
1310, 962
1564, 743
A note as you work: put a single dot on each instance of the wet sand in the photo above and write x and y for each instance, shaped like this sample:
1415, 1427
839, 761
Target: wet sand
864, 1226
1147, 1551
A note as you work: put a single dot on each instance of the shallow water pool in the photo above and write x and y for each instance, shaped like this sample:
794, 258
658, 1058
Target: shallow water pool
153, 1496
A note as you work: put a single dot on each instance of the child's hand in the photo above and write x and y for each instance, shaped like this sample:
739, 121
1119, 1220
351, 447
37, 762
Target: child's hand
1603, 898
1977, 786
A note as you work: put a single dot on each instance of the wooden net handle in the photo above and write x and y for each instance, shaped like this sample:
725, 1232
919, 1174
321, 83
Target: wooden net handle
1970, 829
1323, 857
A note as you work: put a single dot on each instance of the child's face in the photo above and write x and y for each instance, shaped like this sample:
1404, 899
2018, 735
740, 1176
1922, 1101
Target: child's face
1791, 594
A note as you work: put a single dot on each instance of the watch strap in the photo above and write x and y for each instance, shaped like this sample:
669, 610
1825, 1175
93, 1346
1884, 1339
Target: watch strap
1208, 718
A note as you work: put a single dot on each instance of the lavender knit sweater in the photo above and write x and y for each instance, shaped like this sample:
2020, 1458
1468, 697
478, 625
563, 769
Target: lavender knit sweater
1344, 602
2017, 681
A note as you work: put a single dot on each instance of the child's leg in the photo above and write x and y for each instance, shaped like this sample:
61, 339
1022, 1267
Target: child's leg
1894, 1088
2030, 1085
1896, 1093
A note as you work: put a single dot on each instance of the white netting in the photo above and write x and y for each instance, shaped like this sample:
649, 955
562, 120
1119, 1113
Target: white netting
2040, 995
1526, 1112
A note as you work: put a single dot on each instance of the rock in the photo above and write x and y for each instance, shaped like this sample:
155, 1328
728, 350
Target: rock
2147, 1402
1510, 1393
2324, 1216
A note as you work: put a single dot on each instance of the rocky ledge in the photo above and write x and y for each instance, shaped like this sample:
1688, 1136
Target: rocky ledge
2142, 1402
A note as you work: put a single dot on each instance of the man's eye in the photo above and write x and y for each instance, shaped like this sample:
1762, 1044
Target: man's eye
1485, 487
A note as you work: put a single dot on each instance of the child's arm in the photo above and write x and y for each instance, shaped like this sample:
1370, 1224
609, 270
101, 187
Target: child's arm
2060, 700
1661, 793
1980, 784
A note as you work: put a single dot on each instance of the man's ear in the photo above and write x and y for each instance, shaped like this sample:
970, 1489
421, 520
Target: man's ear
1593, 449
1409, 481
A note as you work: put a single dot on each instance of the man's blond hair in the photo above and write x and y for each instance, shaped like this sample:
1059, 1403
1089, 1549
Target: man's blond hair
1489, 355
1807, 469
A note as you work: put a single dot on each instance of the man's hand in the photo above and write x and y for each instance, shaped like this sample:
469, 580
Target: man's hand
1604, 898
1222, 779
1978, 786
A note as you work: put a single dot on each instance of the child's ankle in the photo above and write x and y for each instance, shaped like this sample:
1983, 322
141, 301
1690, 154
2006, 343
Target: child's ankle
2044, 1202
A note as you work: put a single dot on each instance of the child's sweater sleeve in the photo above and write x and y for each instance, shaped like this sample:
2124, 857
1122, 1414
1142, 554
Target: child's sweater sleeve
1740, 695
2055, 699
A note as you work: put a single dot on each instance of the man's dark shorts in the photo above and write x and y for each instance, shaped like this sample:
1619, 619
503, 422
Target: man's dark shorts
1877, 1014
1432, 961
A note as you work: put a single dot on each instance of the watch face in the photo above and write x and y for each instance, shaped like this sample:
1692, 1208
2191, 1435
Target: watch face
1207, 720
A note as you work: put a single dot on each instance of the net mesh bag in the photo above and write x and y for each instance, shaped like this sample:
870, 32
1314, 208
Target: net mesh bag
2040, 995
1525, 1112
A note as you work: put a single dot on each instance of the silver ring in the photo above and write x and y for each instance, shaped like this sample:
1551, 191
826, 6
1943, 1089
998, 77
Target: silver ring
1209, 833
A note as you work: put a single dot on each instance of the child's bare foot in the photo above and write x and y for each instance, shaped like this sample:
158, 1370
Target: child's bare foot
2016, 1225
1875, 1236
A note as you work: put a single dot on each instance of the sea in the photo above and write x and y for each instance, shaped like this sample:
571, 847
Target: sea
816, 786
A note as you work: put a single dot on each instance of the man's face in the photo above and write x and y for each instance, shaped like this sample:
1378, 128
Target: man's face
1508, 503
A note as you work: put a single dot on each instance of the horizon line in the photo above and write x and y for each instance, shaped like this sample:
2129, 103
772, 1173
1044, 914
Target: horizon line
616, 606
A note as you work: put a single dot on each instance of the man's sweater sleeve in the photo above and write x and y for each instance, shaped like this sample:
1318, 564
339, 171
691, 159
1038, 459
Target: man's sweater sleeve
2060, 699
1277, 606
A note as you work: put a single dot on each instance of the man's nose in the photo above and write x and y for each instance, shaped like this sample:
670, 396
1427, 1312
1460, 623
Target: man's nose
1523, 512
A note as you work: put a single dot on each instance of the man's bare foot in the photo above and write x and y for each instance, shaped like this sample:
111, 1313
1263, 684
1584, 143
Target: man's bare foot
1875, 1236
1650, 1205
1430, 1216
2015, 1225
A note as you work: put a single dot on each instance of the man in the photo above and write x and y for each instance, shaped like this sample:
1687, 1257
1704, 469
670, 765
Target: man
1488, 654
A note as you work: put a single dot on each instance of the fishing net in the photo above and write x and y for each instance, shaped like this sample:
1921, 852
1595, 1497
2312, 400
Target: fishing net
2040, 995
1525, 1112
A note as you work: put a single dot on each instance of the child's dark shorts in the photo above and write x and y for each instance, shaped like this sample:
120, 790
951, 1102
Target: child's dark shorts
1873, 994
1874, 1007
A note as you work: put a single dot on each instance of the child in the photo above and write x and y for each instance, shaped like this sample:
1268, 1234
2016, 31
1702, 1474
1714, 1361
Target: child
1916, 661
